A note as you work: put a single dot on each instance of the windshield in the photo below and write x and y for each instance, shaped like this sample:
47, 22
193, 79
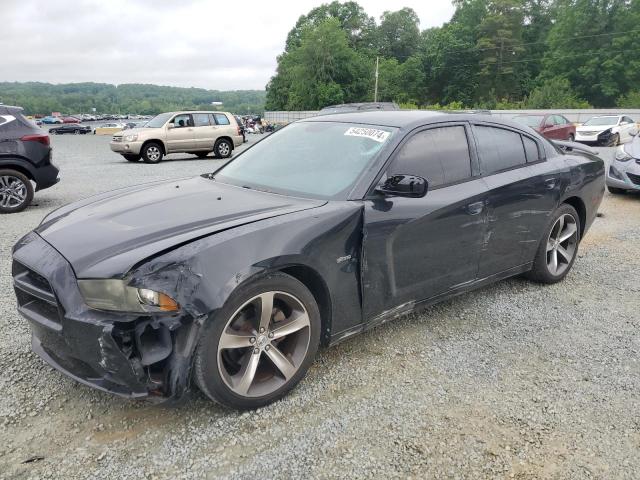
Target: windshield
602, 121
530, 120
159, 120
308, 159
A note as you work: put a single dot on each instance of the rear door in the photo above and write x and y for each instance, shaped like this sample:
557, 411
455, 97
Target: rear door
418, 248
523, 190
181, 138
204, 131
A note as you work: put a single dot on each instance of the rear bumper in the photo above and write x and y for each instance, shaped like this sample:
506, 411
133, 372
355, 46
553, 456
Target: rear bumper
125, 354
46, 176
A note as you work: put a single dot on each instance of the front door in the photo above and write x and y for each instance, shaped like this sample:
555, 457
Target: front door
418, 248
181, 138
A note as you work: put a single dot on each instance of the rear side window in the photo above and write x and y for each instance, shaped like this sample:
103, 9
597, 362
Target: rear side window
201, 119
531, 149
499, 149
221, 119
441, 155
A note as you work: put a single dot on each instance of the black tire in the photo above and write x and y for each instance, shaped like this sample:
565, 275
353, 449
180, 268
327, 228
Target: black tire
616, 191
53, 132
152, 152
541, 272
614, 140
13, 179
76, 132
223, 148
572, 137
201, 154
206, 363
131, 157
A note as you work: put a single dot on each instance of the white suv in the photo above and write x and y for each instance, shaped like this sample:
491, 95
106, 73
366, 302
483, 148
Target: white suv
198, 133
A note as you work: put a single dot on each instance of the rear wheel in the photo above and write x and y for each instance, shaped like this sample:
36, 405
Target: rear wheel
76, 132
16, 191
152, 153
223, 148
260, 344
201, 154
558, 248
616, 191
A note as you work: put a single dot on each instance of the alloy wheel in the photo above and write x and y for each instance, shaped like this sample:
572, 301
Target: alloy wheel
13, 192
224, 149
264, 344
153, 153
562, 244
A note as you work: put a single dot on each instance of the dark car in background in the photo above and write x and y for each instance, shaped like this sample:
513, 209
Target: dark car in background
551, 126
25, 159
72, 128
235, 278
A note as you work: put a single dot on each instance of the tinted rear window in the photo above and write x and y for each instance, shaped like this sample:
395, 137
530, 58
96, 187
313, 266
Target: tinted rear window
221, 119
531, 149
499, 149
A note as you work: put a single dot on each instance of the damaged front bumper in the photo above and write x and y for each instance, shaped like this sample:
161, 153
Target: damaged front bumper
126, 354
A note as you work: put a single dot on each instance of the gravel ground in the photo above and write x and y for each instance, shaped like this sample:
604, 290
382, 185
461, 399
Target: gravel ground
512, 381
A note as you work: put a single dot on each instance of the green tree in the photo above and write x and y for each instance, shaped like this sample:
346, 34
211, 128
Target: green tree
399, 34
554, 93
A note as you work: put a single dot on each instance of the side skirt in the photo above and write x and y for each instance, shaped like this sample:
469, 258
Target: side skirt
412, 306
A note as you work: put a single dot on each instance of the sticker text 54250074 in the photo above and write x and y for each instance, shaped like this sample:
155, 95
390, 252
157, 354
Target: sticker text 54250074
372, 133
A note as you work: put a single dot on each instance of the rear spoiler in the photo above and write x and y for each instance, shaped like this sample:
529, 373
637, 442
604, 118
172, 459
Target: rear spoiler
570, 146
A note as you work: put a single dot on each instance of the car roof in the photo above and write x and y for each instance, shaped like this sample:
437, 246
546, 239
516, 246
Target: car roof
9, 109
408, 119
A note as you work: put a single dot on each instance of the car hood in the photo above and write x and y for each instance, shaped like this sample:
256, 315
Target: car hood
633, 147
133, 131
104, 236
594, 128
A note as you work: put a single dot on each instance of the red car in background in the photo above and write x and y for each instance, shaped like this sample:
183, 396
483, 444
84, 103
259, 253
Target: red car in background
70, 120
551, 125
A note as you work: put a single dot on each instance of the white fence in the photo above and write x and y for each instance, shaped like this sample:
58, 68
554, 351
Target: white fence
575, 116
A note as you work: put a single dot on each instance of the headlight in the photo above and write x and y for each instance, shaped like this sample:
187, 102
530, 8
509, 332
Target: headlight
117, 296
130, 138
622, 155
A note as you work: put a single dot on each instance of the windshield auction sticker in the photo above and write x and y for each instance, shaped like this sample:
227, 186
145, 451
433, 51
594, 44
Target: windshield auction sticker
372, 133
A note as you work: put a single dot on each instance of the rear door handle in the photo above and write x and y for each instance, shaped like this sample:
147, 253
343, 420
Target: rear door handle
550, 183
475, 208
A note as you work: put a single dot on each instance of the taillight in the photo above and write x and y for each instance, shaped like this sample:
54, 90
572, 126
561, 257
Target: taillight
42, 138
238, 130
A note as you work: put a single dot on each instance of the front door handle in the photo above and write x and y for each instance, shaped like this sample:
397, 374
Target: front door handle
550, 183
475, 208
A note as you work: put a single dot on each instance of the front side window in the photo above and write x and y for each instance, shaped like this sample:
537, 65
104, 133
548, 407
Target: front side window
499, 149
559, 120
201, 119
440, 155
309, 159
181, 121
158, 121
221, 119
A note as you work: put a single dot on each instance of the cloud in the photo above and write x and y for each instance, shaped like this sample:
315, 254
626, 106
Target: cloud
200, 43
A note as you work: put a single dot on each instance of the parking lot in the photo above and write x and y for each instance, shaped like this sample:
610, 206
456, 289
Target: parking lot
516, 380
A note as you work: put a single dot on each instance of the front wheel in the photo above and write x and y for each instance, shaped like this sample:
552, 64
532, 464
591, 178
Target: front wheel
260, 344
558, 248
152, 153
76, 132
16, 191
223, 148
614, 140
572, 137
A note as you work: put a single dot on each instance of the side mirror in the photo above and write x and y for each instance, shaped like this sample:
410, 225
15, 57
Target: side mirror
170, 126
404, 186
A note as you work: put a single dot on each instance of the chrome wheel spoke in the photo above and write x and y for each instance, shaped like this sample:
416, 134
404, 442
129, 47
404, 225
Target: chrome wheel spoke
247, 373
281, 362
568, 232
298, 323
554, 261
266, 310
235, 340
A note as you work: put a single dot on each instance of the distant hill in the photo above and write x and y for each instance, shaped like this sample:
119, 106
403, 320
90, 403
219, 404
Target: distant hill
142, 99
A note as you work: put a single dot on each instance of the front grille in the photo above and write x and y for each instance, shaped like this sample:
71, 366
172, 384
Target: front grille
116, 139
634, 178
36, 299
588, 134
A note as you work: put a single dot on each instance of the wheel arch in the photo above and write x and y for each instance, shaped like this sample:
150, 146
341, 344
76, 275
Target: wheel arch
153, 140
17, 165
578, 204
318, 288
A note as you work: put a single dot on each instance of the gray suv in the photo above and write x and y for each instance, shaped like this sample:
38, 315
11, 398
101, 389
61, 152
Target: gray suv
199, 133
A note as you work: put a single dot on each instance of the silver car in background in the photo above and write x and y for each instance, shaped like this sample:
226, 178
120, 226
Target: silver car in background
623, 174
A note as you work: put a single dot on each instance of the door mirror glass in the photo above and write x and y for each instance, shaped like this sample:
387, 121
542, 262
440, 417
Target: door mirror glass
404, 186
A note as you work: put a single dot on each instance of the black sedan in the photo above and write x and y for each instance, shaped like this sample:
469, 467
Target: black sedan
70, 128
324, 229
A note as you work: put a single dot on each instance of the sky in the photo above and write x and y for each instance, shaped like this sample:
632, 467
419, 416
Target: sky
213, 44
